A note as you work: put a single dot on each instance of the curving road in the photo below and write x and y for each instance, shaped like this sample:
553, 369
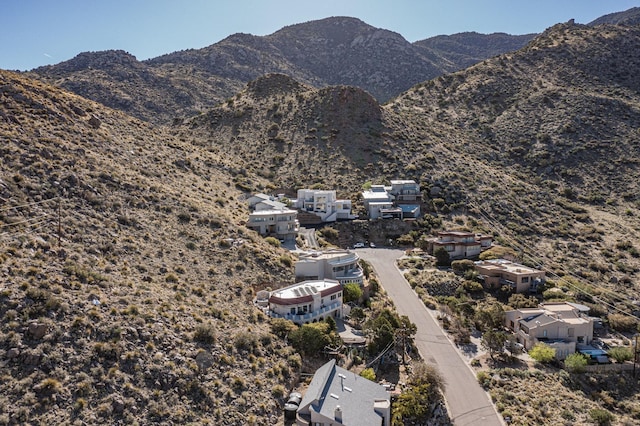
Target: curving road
467, 402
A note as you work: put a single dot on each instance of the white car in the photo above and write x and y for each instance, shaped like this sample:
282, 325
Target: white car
358, 245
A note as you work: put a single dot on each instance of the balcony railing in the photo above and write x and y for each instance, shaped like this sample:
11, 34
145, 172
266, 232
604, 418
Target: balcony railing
309, 316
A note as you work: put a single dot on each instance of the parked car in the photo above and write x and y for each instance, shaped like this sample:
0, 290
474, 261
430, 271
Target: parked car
358, 245
372, 244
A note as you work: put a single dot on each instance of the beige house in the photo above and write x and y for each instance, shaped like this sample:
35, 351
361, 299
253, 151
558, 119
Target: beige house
460, 244
498, 272
307, 301
339, 265
280, 223
561, 325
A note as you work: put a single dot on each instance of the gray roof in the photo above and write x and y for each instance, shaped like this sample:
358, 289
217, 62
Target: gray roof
277, 205
333, 386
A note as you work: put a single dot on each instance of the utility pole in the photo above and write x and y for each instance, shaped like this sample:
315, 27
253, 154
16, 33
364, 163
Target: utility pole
635, 355
59, 218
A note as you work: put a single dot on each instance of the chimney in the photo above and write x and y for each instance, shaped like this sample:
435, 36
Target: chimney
338, 414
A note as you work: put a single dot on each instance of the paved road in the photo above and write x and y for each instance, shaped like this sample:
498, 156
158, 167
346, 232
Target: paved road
467, 402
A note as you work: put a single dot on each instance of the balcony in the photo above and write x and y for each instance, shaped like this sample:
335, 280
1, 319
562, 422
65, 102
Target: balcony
354, 275
309, 316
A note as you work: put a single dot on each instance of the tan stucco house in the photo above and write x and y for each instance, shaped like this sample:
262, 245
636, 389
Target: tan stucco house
561, 325
496, 273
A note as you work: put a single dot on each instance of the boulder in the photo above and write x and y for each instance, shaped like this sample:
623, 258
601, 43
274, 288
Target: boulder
37, 330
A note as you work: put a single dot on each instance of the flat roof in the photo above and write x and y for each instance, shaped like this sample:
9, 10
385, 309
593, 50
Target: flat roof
402, 181
304, 288
506, 265
272, 212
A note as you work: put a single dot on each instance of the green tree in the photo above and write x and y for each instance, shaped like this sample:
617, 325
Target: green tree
351, 292
310, 339
282, 327
412, 406
442, 256
489, 317
382, 329
620, 354
575, 363
332, 323
543, 353
369, 374
493, 341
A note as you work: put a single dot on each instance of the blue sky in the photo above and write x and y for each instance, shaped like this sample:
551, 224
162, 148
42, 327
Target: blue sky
42, 32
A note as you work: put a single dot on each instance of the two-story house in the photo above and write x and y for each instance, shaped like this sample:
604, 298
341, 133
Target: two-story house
307, 301
405, 191
400, 200
337, 397
496, 273
279, 223
561, 325
323, 204
339, 265
460, 244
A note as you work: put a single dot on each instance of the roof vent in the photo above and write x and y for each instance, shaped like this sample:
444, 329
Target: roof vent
338, 414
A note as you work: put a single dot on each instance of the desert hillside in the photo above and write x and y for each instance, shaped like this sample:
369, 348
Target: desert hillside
141, 311
126, 271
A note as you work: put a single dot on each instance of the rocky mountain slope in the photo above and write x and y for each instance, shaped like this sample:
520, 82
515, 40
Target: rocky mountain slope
332, 51
141, 311
540, 146
627, 17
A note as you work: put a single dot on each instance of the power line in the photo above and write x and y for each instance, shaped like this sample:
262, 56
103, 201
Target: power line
6, 225
522, 247
35, 203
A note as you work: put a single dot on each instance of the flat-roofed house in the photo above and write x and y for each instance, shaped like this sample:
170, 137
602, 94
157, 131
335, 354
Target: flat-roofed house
339, 265
561, 325
498, 272
307, 301
460, 244
280, 223
324, 204
337, 396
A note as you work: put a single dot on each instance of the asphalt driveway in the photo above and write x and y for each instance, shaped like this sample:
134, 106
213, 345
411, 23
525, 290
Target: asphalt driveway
467, 402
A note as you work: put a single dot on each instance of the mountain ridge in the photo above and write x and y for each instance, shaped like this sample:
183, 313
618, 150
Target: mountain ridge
331, 51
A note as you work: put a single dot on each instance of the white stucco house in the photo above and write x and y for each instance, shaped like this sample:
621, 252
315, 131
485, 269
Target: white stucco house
400, 200
323, 204
339, 265
307, 301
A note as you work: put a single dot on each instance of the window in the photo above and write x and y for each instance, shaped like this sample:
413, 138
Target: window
525, 279
293, 311
544, 333
333, 297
